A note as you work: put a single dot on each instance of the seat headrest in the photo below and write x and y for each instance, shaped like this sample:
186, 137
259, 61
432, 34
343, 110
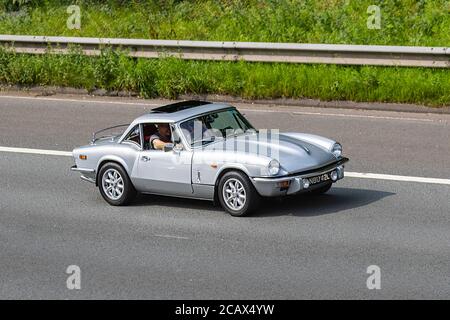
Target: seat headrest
149, 129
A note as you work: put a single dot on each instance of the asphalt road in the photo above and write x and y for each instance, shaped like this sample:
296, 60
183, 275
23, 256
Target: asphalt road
167, 248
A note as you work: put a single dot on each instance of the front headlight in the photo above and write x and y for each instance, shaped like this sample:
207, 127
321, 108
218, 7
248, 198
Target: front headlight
337, 150
274, 167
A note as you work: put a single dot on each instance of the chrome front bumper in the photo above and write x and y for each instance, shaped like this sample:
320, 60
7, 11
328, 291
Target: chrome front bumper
86, 174
272, 187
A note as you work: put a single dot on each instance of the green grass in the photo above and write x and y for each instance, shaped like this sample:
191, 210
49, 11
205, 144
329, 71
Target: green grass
170, 77
404, 22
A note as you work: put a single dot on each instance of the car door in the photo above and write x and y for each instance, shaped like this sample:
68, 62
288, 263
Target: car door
165, 172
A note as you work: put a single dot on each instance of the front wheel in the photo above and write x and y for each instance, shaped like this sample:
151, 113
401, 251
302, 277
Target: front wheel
237, 195
115, 185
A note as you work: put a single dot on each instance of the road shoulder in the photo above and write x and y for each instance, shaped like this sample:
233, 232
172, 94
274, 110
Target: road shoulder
297, 103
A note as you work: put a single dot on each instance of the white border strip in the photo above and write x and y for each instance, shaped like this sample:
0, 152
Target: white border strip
359, 175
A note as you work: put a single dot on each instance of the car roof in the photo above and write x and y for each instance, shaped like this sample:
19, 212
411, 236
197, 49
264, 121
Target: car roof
179, 111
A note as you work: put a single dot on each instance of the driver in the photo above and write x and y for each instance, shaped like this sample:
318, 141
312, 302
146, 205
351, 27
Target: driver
162, 137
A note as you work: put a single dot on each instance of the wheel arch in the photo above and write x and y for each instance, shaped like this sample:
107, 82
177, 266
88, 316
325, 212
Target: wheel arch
221, 174
104, 160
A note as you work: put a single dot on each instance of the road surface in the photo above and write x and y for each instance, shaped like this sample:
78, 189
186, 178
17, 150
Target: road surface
168, 248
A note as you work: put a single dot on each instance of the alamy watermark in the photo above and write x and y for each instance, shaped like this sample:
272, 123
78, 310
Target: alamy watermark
73, 281
74, 20
374, 280
228, 145
374, 19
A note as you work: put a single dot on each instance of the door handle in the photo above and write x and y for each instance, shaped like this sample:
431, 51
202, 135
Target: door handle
145, 158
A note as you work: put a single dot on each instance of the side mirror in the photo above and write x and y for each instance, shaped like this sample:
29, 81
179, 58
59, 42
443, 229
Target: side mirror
178, 147
168, 147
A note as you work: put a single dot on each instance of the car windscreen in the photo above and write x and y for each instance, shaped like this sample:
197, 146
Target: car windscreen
216, 125
110, 132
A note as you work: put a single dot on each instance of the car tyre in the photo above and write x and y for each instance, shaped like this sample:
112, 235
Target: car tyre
114, 184
237, 195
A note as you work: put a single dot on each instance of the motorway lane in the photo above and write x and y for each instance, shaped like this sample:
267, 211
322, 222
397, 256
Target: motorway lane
180, 249
163, 247
418, 146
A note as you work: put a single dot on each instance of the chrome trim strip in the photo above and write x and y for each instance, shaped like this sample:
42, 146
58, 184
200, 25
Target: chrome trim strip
75, 168
84, 178
132, 143
287, 178
324, 168
176, 196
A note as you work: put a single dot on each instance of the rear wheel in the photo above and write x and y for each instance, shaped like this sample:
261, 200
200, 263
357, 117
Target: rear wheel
237, 195
115, 185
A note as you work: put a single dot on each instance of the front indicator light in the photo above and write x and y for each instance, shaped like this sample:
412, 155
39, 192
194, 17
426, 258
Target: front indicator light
83, 157
284, 184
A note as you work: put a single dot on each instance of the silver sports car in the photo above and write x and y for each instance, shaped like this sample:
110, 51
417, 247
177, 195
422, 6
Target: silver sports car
208, 151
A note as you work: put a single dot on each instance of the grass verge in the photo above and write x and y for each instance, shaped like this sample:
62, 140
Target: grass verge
405, 22
170, 77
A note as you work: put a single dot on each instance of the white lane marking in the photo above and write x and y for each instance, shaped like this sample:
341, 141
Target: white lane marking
360, 175
170, 237
242, 109
378, 176
338, 115
361, 116
37, 151
82, 100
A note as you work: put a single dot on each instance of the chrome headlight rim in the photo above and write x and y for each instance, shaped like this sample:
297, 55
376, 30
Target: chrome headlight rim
273, 167
336, 150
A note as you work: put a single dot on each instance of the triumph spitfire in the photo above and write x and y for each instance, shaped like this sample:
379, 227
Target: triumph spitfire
214, 153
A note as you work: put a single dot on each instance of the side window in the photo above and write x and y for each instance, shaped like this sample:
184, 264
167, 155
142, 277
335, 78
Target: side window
134, 136
148, 129
161, 137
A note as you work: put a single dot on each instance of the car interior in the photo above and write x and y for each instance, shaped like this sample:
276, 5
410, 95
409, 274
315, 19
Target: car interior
148, 130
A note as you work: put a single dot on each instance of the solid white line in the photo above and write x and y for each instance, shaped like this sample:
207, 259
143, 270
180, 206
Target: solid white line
378, 176
360, 116
338, 115
37, 151
82, 100
359, 175
169, 236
